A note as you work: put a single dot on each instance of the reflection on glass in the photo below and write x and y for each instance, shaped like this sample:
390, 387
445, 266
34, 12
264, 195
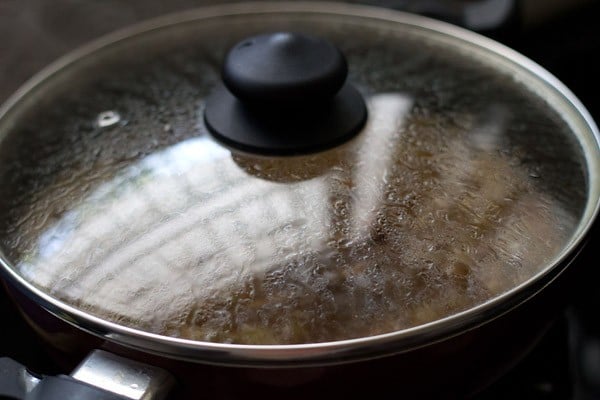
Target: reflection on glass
415, 219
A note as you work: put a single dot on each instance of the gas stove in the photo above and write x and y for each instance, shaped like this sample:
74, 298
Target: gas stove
563, 365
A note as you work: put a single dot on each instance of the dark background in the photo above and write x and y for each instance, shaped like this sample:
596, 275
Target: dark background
564, 37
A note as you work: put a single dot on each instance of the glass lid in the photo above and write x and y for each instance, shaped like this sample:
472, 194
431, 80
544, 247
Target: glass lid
469, 179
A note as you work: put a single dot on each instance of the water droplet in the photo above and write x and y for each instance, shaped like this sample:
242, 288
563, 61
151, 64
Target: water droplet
107, 118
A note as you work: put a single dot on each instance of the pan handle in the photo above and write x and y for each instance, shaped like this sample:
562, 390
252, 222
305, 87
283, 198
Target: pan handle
101, 376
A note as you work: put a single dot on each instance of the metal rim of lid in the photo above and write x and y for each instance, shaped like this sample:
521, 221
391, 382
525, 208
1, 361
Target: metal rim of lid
325, 353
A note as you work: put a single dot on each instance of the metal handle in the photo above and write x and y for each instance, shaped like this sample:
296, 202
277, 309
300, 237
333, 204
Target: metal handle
101, 376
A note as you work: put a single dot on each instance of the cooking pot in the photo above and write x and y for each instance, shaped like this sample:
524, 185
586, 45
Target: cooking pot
368, 200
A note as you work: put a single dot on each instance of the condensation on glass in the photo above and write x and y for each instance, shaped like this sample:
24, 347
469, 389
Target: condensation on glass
117, 201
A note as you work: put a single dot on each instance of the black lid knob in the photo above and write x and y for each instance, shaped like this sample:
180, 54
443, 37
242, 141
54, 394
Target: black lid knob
284, 93
284, 68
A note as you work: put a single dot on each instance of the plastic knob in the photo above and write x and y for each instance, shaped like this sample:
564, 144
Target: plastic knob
284, 69
284, 94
